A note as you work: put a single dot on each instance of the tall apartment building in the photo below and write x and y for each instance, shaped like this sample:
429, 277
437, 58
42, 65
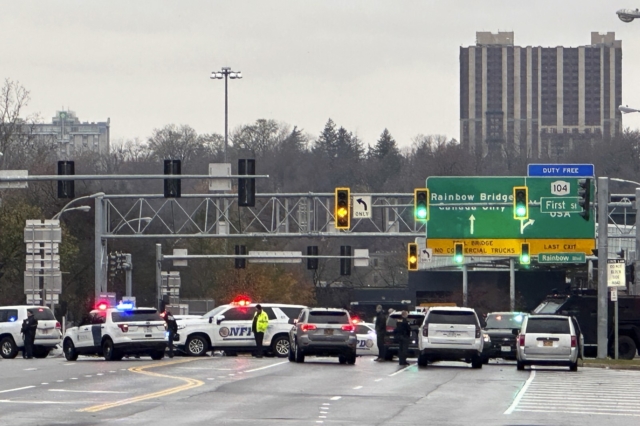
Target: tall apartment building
538, 102
68, 136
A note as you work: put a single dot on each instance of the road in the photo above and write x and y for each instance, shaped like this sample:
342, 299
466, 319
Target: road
271, 391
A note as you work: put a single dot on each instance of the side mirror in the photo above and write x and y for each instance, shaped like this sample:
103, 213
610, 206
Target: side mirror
515, 331
210, 320
219, 319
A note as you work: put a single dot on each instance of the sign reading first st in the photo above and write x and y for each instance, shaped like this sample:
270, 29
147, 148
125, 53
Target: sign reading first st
553, 225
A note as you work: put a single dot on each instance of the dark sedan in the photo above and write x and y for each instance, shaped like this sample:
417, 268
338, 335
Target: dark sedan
499, 326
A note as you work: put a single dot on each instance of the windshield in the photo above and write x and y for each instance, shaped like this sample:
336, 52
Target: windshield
215, 311
504, 321
42, 314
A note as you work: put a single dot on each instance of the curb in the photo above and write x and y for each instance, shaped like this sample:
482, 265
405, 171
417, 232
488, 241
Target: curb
612, 367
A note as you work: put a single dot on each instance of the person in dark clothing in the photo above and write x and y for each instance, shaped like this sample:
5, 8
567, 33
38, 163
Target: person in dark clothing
381, 329
23, 330
29, 334
172, 328
403, 334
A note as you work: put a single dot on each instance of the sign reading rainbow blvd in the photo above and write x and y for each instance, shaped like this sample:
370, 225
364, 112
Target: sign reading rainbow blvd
478, 212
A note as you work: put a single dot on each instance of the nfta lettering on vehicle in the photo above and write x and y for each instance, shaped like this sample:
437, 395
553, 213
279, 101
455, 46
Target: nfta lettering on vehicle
235, 332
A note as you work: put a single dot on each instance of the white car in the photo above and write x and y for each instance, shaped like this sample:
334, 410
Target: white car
114, 333
228, 328
367, 341
48, 334
451, 334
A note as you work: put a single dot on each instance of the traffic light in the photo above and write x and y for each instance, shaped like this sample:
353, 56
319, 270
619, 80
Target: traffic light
311, 262
520, 202
342, 208
172, 186
412, 257
66, 188
525, 258
421, 204
584, 200
458, 252
345, 260
241, 262
247, 186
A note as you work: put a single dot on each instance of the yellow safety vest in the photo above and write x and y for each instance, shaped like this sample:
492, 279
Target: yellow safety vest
262, 323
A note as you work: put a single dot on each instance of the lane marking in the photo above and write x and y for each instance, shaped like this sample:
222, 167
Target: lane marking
13, 401
189, 384
520, 394
17, 389
326, 403
358, 387
401, 371
44, 383
30, 369
82, 391
268, 366
74, 378
611, 413
377, 380
335, 398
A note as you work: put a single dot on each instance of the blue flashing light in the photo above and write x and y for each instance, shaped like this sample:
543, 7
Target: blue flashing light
518, 318
125, 306
12, 319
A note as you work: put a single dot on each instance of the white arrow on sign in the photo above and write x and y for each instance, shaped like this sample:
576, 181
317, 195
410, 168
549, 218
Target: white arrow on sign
471, 220
524, 225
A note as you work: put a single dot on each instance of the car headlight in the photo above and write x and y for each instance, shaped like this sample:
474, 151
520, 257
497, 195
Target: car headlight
486, 337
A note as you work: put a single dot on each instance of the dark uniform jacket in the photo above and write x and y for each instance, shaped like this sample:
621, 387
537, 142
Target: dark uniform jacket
381, 322
403, 328
172, 325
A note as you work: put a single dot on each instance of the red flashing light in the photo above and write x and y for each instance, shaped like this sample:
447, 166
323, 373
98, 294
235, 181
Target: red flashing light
349, 327
40, 310
103, 306
308, 327
241, 301
356, 320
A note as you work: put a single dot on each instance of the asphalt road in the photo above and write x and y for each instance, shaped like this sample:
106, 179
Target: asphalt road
271, 391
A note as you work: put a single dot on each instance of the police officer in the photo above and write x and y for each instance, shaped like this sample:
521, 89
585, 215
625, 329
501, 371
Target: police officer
381, 329
172, 328
258, 327
403, 335
29, 334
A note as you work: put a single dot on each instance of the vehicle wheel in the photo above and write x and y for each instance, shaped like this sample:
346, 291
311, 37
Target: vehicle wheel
573, 366
40, 352
485, 361
626, 347
109, 351
196, 346
8, 348
476, 362
69, 350
351, 359
388, 356
280, 346
342, 359
299, 355
519, 365
292, 356
422, 361
157, 356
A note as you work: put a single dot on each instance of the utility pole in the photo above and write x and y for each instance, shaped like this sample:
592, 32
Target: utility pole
603, 254
634, 286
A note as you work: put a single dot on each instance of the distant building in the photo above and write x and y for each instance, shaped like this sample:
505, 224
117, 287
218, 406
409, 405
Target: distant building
69, 136
538, 101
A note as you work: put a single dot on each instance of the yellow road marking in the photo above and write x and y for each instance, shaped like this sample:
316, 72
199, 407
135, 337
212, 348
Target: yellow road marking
189, 384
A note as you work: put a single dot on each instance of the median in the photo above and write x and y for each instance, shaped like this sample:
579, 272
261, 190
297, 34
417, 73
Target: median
616, 364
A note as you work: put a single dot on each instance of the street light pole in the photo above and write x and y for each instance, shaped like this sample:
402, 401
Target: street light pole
227, 73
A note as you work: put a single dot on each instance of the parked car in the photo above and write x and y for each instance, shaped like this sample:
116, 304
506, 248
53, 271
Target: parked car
366, 334
451, 334
549, 340
323, 332
48, 333
499, 326
391, 343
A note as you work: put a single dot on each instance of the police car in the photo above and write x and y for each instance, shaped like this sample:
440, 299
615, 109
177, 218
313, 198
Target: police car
228, 328
366, 333
116, 332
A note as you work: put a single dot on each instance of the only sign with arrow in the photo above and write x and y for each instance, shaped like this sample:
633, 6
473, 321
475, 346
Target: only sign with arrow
362, 206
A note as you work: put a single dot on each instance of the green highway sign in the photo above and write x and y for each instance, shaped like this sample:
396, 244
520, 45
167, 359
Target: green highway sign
560, 205
562, 258
556, 218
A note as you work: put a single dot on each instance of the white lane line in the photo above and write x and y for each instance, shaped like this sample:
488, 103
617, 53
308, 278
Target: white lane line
17, 389
13, 401
610, 413
358, 387
99, 374
377, 380
520, 394
112, 371
210, 378
74, 378
30, 369
400, 371
268, 366
59, 381
82, 391
326, 403
44, 383
88, 375
335, 398
322, 417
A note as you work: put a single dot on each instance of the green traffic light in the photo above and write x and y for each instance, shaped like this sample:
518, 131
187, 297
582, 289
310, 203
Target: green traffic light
521, 211
524, 258
421, 213
458, 258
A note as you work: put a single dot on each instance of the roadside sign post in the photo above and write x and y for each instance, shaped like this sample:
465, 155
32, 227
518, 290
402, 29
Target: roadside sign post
616, 279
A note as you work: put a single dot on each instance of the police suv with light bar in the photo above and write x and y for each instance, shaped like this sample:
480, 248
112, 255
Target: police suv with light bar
228, 328
116, 332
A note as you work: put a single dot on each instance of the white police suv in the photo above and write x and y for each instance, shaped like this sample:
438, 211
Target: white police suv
228, 328
116, 332
366, 334
48, 334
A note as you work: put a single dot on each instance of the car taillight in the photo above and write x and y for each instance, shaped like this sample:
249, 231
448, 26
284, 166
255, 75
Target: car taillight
574, 341
425, 331
478, 334
521, 340
58, 326
348, 328
389, 328
307, 327
123, 327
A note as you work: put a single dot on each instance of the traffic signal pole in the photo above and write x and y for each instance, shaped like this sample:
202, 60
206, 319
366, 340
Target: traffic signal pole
635, 286
603, 249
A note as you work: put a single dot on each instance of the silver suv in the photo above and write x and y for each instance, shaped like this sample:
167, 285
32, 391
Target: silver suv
323, 332
549, 340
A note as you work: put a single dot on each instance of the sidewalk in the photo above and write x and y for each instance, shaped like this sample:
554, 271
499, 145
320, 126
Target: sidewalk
614, 364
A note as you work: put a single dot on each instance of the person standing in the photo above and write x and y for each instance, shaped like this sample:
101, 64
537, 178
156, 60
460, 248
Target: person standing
381, 330
172, 328
258, 327
30, 334
403, 334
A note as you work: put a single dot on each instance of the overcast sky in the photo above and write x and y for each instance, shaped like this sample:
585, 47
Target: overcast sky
365, 64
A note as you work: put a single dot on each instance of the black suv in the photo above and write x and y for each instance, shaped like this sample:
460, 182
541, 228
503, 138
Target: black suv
391, 344
499, 326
